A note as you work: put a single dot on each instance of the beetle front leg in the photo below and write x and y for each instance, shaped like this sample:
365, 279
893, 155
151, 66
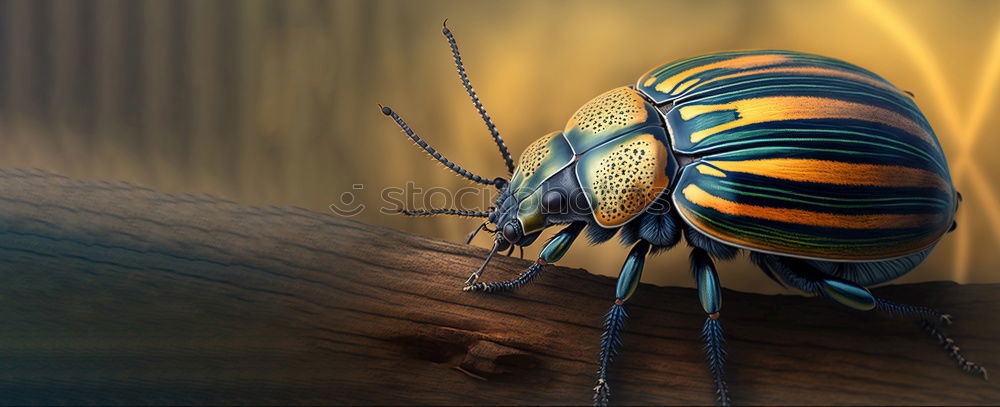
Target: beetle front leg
614, 321
551, 253
710, 295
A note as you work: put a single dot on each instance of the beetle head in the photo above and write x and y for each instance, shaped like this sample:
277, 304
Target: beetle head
509, 228
520, 215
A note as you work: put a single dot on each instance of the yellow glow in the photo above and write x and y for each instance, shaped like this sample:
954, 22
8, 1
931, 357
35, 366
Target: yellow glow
921, 56
962, 165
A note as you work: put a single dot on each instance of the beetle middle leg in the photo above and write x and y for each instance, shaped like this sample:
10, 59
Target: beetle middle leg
710, 295
614, 321
799, 275
551, 253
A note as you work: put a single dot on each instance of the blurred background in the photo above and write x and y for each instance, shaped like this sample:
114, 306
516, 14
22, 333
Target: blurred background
274, 102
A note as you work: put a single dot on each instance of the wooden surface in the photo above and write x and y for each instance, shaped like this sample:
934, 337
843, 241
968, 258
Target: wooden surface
113, 293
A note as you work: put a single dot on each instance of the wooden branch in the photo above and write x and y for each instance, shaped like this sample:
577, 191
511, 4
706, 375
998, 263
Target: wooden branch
115, 294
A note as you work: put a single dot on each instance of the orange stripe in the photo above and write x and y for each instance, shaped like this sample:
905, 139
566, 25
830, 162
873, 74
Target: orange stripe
744, 62
699, 197
808, 70
835, 172
901, 248
776, 108
684, 86
706, 170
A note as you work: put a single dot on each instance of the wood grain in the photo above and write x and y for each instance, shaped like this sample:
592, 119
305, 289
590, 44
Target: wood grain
116, 294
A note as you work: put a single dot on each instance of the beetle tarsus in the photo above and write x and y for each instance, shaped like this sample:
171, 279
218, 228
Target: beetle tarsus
930, 320
602, 392
715, 355
611, 343
953, 350
526, 277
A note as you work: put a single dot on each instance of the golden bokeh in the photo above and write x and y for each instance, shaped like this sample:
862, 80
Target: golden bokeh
274, 102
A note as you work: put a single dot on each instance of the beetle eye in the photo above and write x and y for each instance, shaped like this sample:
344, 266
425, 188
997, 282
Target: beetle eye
510, 232
554, 201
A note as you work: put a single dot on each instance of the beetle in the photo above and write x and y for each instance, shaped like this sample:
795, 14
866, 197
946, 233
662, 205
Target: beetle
826, 174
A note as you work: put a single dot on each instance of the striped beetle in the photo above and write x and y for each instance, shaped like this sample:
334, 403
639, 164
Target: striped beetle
825, 173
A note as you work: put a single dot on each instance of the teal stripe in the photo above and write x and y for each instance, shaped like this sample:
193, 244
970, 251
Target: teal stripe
747, 152
881, 202
750, 154
752, 137
804, 241
843, 84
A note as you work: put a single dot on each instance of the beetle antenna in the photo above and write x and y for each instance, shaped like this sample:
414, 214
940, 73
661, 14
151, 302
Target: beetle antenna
499, 182
475, 98
454, 212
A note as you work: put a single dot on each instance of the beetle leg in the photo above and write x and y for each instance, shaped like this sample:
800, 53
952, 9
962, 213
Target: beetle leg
710, 295
857, 297
949, 345
930, 321
912, 312
551, 253
614, 321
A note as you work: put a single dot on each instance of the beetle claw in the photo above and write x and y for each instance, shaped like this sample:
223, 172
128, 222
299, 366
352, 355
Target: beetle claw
601, 393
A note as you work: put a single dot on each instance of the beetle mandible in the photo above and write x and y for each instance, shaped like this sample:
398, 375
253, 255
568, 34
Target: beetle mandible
828, 175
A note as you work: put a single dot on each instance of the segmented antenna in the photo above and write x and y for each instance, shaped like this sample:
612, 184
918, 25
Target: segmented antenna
475, 99
499, 182
455, 212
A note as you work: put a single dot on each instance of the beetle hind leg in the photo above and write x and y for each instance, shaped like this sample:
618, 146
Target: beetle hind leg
800, 275
912, 312
930, 320
953, 351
